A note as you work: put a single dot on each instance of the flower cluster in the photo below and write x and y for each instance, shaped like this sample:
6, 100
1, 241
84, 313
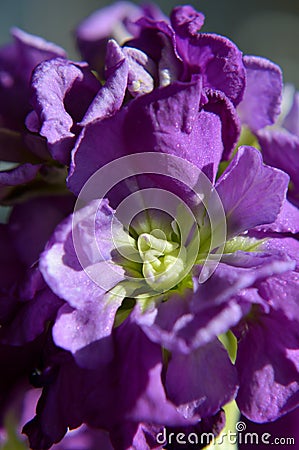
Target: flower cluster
149, 263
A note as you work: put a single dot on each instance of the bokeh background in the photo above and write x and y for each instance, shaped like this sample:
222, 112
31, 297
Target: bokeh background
268, 28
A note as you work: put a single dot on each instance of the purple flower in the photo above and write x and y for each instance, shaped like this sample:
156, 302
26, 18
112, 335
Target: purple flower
185, 320
211, 61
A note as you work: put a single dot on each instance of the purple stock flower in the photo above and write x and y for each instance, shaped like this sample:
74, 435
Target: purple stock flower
185, 321
186, 58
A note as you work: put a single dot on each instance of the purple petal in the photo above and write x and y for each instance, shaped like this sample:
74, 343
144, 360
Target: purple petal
218, 61
130, 435
177, 328
151, 36
287, 220
17, 62
283, 245
280, 149
98, 144
110, 97
20, 175
261, 103
33, 49
238, 271
167, 120
252, 193
141, 72
291, 121
184, 324
61, 267
31, 320
196, 391
219, 104
30, 237
282, 293
143, 369
56, 87
186, 21
220, 302
268, 363
76, 330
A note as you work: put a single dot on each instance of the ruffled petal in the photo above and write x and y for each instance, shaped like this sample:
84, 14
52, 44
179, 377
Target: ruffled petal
61, 91
141, 72
261, 103
186, 21
218, 61
110, 97
219, 104
251, 193
167, 120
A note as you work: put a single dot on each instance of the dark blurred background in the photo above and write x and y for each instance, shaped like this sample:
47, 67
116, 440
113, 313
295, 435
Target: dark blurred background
268, 28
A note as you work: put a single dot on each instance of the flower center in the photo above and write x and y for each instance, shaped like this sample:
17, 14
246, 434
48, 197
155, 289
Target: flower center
163, 261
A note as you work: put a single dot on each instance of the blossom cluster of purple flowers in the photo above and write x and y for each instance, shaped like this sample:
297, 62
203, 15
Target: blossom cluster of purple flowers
105, 345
